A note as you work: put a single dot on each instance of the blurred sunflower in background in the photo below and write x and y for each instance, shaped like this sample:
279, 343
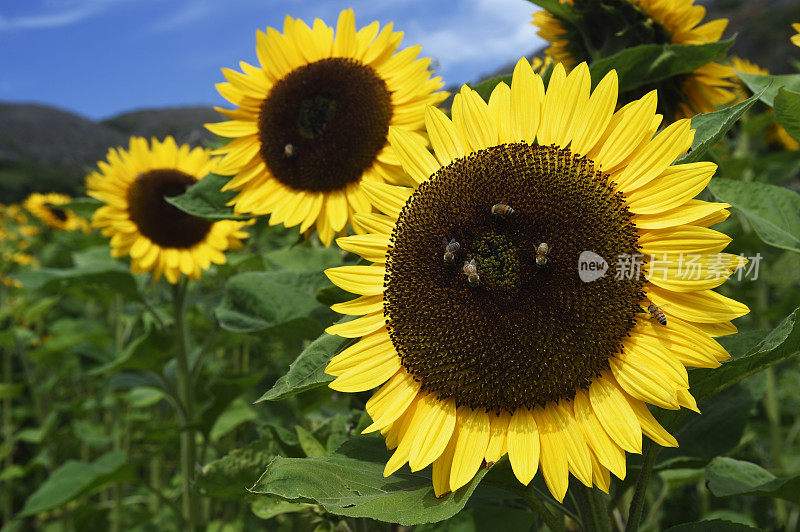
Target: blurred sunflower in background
141, 223
311, 121
605, 28
777, 133
43, 207
475, 323
796, 38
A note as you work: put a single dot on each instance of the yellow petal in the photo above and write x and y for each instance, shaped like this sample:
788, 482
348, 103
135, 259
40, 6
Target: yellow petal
523, 445
362, 280
473, 438
414, 157
444, 138
391, 401
615, 414
430, 442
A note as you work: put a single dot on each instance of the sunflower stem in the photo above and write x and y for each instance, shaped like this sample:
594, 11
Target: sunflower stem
592, 509
637, 503
186, 414
552, 521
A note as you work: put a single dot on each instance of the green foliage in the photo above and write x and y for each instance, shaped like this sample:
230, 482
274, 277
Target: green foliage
651, 63
206, 200
774, 212
350, 482
727, 477
787, 111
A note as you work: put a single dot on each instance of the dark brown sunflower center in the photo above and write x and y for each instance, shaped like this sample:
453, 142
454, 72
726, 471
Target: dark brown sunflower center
491, 327
156, 219
60, 214
324, 123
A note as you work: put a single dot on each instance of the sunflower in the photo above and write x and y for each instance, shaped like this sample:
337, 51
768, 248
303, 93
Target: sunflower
777, 134
621, 24
158, 236
42, 206
796, 38
475, 322
311, 123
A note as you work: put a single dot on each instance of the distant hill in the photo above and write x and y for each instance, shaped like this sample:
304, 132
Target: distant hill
43, 148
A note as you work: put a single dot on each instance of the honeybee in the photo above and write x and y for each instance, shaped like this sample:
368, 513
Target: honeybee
657, 314
541, 254
471, 271
502, 210
288, 150
450, 249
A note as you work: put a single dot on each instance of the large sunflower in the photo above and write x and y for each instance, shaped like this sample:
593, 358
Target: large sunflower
42, 206
620, 24
311, 123
157, 236
526, 358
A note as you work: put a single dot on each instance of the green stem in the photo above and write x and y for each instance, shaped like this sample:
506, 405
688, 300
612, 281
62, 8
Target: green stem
8, 433
637, 503
592, 509
776, 441
552, 521
187, 412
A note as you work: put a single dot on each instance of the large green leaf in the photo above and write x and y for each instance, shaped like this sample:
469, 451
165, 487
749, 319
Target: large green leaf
350, 482
651, 63
75, 479
206, 200
787, 111
727, 477
308, 369
711, 127
260, 301
237, 413
780, 344
94, 269
774, 212
757, 83
713, 525
146, 353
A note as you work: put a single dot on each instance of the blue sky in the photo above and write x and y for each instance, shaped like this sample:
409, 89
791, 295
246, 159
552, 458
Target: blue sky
101, 57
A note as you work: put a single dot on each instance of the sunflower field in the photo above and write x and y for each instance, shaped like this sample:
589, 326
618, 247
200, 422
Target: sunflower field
564, 298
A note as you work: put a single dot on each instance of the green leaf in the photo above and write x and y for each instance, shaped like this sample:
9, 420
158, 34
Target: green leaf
485, 88
303, 257
308, 369
83, 207
258, 301
351, 483
238, 412
559, 9
310, 445
714, 525
230, 476
651, 63
75, 479
774, 212
757, 82
206, 200
146, 353
787, 111
711, 127
9, 390
94, 268
782, 343
727, 477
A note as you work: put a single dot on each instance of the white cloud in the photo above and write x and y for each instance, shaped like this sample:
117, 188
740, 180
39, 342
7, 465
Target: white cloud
479, 34
66, 13
186, 14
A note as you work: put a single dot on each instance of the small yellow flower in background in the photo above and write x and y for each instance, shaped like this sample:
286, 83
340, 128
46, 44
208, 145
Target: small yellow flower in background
311, 121
796, 38
29, 230
777, 133
23, 259
158, 236
657, 22
42, 206
474, 322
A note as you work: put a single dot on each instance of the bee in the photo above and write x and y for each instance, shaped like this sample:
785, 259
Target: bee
288, 150
657, 314
450, 249
541, 254
502, 210
471, 271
